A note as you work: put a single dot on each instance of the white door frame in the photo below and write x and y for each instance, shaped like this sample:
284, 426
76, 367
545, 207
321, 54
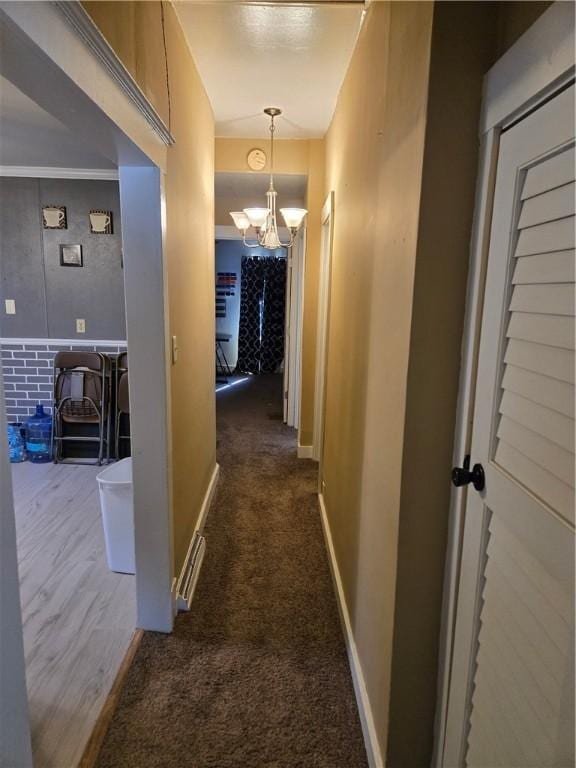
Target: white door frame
296, 391
326, 243
294, 322
149, 349
539, 65
287, 347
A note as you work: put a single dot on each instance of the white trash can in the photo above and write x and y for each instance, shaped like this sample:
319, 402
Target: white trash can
117, 504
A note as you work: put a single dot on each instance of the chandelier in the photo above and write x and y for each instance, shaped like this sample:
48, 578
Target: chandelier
263, 220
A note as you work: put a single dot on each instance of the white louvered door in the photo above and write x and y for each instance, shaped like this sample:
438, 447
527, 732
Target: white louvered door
515, 615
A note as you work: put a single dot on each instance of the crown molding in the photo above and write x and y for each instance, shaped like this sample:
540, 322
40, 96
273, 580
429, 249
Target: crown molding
79, 19
46, 172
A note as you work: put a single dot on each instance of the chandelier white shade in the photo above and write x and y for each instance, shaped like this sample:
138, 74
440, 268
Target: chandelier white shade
240, 220
263, 220
293, 217
257, 216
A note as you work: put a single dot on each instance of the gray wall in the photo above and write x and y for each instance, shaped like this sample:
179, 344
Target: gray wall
49, 298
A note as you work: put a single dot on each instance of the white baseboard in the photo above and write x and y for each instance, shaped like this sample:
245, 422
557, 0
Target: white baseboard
206, 502
305, 451
374, 754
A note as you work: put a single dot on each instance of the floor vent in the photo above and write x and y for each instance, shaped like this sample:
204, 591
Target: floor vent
190, 572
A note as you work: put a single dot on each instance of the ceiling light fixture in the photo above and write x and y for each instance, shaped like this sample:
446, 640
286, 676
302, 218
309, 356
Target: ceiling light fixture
263, 220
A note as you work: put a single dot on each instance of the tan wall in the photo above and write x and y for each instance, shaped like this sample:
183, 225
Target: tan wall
374, 166
303, 157
290, 155
462, 32
404, 178
475, 35
135, 31
190, 250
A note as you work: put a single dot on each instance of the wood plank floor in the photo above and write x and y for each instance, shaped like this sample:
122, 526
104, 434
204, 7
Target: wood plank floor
78, 616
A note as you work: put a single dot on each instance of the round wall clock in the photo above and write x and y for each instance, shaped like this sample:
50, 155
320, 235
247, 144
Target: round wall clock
256, 159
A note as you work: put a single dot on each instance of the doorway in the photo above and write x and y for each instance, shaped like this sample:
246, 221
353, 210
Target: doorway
250, 310
77, 605
259, 292
261, 332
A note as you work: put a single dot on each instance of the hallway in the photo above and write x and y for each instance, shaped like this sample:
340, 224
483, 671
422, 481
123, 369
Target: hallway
256, 674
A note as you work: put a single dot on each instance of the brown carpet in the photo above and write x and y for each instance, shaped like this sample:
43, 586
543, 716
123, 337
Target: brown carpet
256, 674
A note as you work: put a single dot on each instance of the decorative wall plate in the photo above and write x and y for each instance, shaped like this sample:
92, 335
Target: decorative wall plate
101, 222
256, 159
54, 217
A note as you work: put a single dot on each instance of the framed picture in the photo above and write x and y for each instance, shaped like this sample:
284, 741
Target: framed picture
101, 222
71, 256
54, 217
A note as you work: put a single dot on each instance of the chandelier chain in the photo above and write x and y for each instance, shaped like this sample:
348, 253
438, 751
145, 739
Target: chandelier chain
272, 129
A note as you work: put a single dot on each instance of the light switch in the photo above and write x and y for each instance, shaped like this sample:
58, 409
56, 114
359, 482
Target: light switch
80, 325
174, 349
10, 306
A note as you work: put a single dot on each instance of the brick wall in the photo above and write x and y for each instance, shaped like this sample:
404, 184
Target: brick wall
27, 372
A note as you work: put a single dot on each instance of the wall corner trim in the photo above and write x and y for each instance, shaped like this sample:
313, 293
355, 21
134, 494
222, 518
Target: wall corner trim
373, 752
305, 451
81, 22
207, 501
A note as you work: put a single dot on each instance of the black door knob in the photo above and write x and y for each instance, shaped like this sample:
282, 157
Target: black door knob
464, 475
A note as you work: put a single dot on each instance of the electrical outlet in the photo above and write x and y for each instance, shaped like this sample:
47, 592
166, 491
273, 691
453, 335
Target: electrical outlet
10, 305
80, 325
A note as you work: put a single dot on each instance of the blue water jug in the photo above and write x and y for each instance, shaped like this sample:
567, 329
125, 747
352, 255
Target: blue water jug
39, 436
16, 446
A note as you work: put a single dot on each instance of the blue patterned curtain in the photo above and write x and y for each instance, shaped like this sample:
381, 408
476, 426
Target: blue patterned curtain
262, 311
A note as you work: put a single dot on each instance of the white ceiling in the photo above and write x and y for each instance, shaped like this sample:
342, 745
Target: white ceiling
253, 56
29, 136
